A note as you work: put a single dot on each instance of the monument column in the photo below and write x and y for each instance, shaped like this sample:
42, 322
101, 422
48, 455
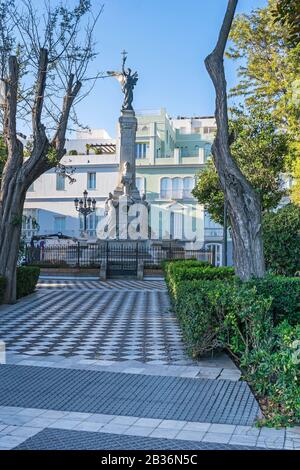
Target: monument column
126, 148
120, 203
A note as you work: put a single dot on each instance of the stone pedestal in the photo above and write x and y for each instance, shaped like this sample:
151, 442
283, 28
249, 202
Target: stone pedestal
126, 194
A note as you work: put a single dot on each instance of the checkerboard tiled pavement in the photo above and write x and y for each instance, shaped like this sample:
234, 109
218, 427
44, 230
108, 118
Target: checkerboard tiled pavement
121, 284
101, 326
118, 320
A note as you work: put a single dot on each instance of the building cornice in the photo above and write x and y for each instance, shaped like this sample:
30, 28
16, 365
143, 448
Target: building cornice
60, 199
172, 165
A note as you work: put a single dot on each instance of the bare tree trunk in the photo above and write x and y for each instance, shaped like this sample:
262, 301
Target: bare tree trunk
9, 242
18, 174
243, 202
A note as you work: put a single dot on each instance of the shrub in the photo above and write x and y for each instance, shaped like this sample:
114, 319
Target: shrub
281, 232
240, 317
194, 270
73, 152
273, 372
213, 315
2, 287
27, 277
285, 293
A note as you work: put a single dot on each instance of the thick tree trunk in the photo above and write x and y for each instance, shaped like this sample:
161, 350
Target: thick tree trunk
10, 231
19, 174
243, 202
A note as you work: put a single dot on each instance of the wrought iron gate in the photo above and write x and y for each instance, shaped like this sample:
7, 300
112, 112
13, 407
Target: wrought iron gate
122, 260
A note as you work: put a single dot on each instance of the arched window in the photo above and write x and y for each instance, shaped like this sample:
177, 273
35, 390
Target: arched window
165, 188
177, 188
188, 186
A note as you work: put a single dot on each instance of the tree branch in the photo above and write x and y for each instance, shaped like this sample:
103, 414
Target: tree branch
39, 93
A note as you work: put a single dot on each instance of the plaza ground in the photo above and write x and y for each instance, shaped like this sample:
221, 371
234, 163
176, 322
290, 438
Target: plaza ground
102, 365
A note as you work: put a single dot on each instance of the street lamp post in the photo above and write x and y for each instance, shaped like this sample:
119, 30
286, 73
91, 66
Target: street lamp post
85, 206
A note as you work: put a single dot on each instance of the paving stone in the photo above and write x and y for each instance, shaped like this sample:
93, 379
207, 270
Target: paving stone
87, 426
170, 398
10, 441
148, 422
145, 306
139, 431
222, 428
246, 430
124, 420
190, 426
171, 424
166, 433
41, 422
75, 415
54, 414
196, 436
33, 412
64, 424
270, 443
216, 437
243, 440
115, 428
272, 433
17, 420
296, 443
57, 439
25, 431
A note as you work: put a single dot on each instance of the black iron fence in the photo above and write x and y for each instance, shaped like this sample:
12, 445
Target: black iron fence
92, 255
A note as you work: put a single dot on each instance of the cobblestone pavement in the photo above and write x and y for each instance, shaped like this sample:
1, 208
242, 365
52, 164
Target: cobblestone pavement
102, 365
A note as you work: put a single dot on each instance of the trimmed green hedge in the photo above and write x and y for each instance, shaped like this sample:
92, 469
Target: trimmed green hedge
285, 293
203, 309
281, 233
2, 287
257, 322
178, 271
27, 278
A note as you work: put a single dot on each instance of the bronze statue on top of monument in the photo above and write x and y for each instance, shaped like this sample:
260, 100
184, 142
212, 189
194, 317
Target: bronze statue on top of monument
128, 81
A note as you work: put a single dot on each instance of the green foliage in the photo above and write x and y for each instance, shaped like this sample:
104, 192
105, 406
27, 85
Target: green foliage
209, 193
270, 63
285, 293
193, 270
295, 191
2, 288
246, 319
259, 150
52, 156
281, 232
200, 307
287, 14
27, 278
73, 152
273, 372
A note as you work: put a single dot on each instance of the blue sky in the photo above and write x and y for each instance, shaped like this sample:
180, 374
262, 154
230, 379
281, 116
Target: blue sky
167, 42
